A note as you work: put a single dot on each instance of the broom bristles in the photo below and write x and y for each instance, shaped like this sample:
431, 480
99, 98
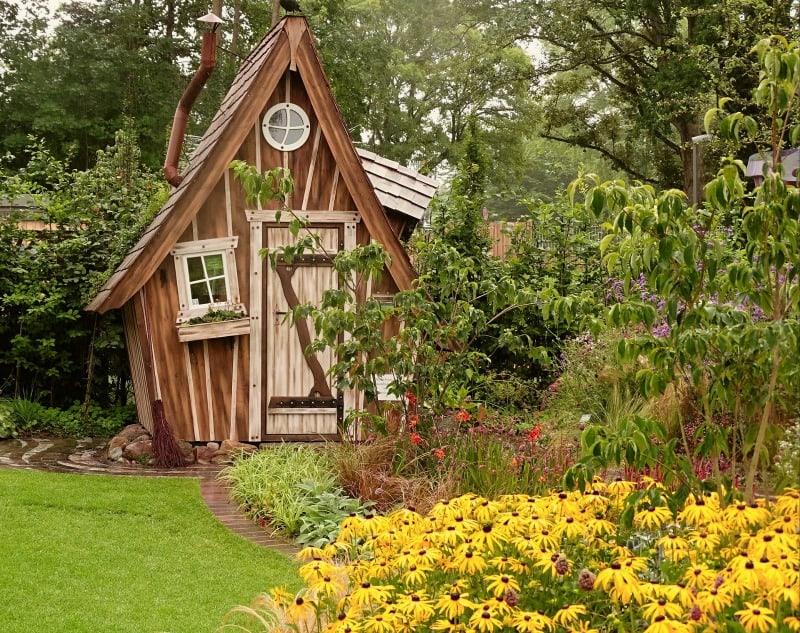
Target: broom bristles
166, 452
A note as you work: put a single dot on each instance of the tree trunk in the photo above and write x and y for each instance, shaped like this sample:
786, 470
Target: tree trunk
688, 130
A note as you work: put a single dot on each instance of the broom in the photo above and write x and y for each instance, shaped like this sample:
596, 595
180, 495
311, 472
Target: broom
166, 452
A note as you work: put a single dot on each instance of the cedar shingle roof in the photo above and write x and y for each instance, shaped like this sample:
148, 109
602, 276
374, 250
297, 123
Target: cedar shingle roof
398, 187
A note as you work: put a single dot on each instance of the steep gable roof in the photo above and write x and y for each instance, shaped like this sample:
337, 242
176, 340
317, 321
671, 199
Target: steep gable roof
288, 45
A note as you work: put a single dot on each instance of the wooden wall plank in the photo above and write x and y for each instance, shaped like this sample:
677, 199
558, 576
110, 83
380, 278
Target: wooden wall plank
209, 389
257, 380
192, 392
138, 370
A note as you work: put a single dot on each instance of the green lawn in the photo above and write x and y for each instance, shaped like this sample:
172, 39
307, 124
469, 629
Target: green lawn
98, 554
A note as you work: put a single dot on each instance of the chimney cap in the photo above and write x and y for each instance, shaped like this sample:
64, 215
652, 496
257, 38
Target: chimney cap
210, 18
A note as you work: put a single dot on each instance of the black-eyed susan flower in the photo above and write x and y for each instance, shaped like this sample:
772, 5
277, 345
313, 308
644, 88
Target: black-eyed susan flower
417, 606
700, 576
485, 618
567, 527
755, 617
699, 511
466, 560
490, 537
673, 546
381, 622
415, 575
453, 604
715, 601
366, 594
509, 564
499, 584
742, 515
662, 624
301, 611
792, 622
787, 503
485, 510
663, 608
569, 615
532, 622
620, 583
652, 517
703, 541
582, 627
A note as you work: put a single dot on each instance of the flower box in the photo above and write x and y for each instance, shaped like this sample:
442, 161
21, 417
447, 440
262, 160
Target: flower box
217, 329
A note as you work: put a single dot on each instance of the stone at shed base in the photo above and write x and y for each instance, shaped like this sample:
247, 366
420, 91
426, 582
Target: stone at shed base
115, 454
133, 432
137, 450
187, 450
230, 446
204, 454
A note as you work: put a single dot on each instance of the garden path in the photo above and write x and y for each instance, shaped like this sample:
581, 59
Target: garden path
84, 456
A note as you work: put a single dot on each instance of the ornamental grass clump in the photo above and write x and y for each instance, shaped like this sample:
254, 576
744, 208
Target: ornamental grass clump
564, 562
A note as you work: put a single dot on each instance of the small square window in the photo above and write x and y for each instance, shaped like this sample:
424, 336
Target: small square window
206, 275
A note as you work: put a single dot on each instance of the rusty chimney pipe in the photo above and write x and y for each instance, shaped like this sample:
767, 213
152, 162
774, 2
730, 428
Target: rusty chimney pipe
208, 60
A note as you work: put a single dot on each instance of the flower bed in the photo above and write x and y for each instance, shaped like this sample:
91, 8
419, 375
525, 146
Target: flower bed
562, 562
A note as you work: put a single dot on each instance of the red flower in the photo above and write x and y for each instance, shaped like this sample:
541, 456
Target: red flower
412, 399
439, 453
412, 420
463, 416
535, 432
416, 438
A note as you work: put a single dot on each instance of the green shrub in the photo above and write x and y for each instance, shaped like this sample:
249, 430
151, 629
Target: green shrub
325, 509
8, 425
267, 484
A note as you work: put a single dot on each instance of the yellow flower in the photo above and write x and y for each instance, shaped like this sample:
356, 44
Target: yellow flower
742, 515
485, 619
379, 623
301, 611
756, 618
568, 527
787, 593
652, 516
788, 503
367, 594
704, 542
331, 584
417, 605
664, 625
312, 553
485, 510
510, 564
674, 547
792, 622
532, 622
699, 576
490, 536
500, 583
699, 511
582, 627
661, 607
600, 526
416, 575
453, 604
714, 601
620, 582
569, 615
467, 561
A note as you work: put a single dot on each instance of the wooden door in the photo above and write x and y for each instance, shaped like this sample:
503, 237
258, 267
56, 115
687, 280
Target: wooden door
299, 398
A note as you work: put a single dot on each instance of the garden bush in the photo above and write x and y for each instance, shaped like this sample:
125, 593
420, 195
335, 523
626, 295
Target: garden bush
562, 562
292, 489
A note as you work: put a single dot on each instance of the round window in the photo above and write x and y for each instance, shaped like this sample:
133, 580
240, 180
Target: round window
286, 126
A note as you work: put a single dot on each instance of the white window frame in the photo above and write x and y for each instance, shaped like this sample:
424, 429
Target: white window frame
226, 246
305, 128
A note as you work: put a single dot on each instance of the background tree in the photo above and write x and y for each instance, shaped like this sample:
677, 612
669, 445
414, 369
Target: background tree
632, 80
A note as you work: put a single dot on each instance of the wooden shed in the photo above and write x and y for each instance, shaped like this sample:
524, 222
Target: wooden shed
249, 379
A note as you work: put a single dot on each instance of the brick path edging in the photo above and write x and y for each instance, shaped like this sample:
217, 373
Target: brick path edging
216, 497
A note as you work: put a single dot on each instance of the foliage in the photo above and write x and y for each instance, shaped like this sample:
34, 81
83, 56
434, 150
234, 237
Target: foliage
73, 537
215, 315
267, 484
731, 323
325, 509
50, 348
561, 562
633, 81
8, 424
128, 60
